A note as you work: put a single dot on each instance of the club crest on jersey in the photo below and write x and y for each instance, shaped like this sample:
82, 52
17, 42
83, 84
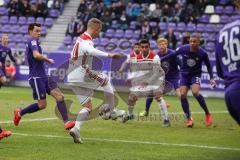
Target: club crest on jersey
4, 54
34, 43
191, 62
165, 64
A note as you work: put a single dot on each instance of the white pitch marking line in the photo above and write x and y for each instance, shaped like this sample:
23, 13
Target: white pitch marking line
30, 120
55, 118
136, 142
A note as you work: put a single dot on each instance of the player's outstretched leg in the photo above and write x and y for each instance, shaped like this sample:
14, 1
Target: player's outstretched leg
4, 133
19, 113
185, 106
81, 118
202, 103
61, 105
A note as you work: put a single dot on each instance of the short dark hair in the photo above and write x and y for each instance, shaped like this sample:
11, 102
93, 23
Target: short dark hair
144, 41
32, 25
137, 44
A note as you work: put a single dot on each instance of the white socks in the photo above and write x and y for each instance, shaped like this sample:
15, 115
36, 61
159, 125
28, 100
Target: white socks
82, 117
163, 109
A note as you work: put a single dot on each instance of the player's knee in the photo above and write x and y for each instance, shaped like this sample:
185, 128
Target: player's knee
131, 101
183, 95
158, 98
42, 105
195, 93
59, 98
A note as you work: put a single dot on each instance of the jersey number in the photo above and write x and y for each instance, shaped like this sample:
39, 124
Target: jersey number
229, 43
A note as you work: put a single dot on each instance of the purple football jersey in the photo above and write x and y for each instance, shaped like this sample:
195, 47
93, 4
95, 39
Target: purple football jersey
170, 65
36, 67
228, 52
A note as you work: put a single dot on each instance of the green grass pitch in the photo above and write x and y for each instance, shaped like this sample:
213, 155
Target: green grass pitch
140, 139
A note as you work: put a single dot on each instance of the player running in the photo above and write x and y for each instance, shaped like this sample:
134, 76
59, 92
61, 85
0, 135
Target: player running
170, 66
39, 81
81, 57
147, 82
4, 51
4, 133
228, 64
191, 58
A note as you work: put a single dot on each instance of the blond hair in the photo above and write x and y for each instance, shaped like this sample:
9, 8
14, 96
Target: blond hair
94, 23
162, 40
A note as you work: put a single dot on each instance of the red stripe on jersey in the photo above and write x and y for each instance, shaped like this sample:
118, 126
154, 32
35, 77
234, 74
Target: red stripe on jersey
75, 52
85, 37
133, 55
150, 57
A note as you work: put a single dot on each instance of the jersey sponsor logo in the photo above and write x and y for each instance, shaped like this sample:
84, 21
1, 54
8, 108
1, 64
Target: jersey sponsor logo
191, 62
165, 64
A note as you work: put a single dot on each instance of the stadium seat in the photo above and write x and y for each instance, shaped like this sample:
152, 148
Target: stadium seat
12, 45
224, 19
219, 9
21, 45
4, 19
48, 22
30, 20
128, 34
219, 27
133, 25
136, 34
210, 46
209, 9
22, 20
114, 24
229, 10
235, 17
3, 11
224, 2
2, 2
181, 26
19, 38
104, 41
200, 27
14, 29
214, 18
109, 33
204, 18
210, 27
172, 25
6, 28
13, 20
44, 31
67, 40
23, 29
119, 33
163, 26
40, 20
54, 13
191, 27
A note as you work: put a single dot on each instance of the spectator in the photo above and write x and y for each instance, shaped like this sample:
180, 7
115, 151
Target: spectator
71, 27
176, 12
136, 10
129, 10
172, 40
80, 28
34, 10
154, 30
145, 30
24, 8
41, 9
123, 21
59, 5
186, 38
156, 13
10, 71
166, 14
13, 7
82, 7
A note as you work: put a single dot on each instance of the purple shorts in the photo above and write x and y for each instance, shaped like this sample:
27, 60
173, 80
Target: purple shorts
174, 81
188, 80
2, 72
41, 86
232, 96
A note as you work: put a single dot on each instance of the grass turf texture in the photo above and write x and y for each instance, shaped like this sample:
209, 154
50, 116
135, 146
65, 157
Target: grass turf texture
138, 139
